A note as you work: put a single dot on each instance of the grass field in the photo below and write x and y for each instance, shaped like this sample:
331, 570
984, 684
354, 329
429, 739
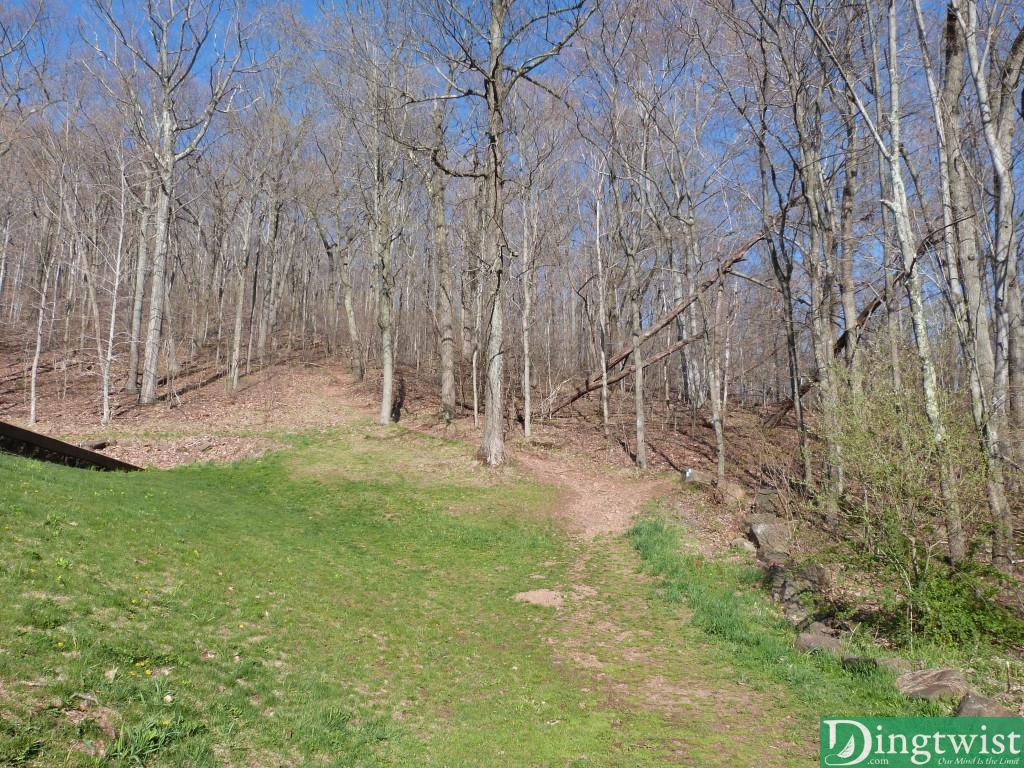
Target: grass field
348, 602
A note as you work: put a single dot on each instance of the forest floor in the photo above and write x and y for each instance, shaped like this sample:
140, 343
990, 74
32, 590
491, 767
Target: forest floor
666, 692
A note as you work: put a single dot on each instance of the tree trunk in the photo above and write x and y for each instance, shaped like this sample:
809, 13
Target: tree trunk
715, 385
242, 267
138, 297
929, 382
636, 330
445, 313
526, 278
355, 344
385, 314
44, 284
602, 319
492, 444
164, 192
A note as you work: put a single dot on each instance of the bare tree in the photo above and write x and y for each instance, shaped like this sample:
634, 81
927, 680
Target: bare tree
490, 49
162, 55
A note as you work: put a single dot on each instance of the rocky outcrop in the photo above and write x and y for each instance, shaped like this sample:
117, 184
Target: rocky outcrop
745, 544
973, 705
808, 642
771, 535
796, 588
733, 494
768, 501
933, 684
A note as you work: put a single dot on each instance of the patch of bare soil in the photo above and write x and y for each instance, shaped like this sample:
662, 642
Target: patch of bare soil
595, 504
549, 598
201, 423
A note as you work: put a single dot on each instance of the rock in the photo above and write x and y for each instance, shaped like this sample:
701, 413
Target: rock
768, 501
807, 642
698, 478
773, 559
97, 445
973, 705
745, 544
769, 532
732, 493
932, 684
818, 628
796, 588
894, 664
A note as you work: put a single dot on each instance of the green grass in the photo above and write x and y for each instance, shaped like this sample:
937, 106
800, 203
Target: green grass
348, 602
729, 607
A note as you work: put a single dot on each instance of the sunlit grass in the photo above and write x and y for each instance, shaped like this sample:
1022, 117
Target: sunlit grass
345, 602
348, 602
731, 609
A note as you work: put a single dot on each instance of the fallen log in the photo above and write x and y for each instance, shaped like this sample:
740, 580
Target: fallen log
590, 386
593, 381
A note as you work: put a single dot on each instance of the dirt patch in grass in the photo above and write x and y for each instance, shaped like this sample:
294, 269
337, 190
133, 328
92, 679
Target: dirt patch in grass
92, 710
549, 598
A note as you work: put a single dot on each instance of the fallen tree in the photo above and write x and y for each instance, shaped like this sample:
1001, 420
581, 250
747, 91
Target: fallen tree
593, 381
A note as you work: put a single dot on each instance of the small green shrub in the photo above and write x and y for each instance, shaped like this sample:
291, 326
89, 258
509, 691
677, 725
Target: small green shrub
895, 512
957, 608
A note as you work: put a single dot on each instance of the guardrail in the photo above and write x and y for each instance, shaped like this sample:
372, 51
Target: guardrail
33, 445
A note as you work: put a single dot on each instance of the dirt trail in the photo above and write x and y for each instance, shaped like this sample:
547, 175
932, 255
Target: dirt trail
595, 504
